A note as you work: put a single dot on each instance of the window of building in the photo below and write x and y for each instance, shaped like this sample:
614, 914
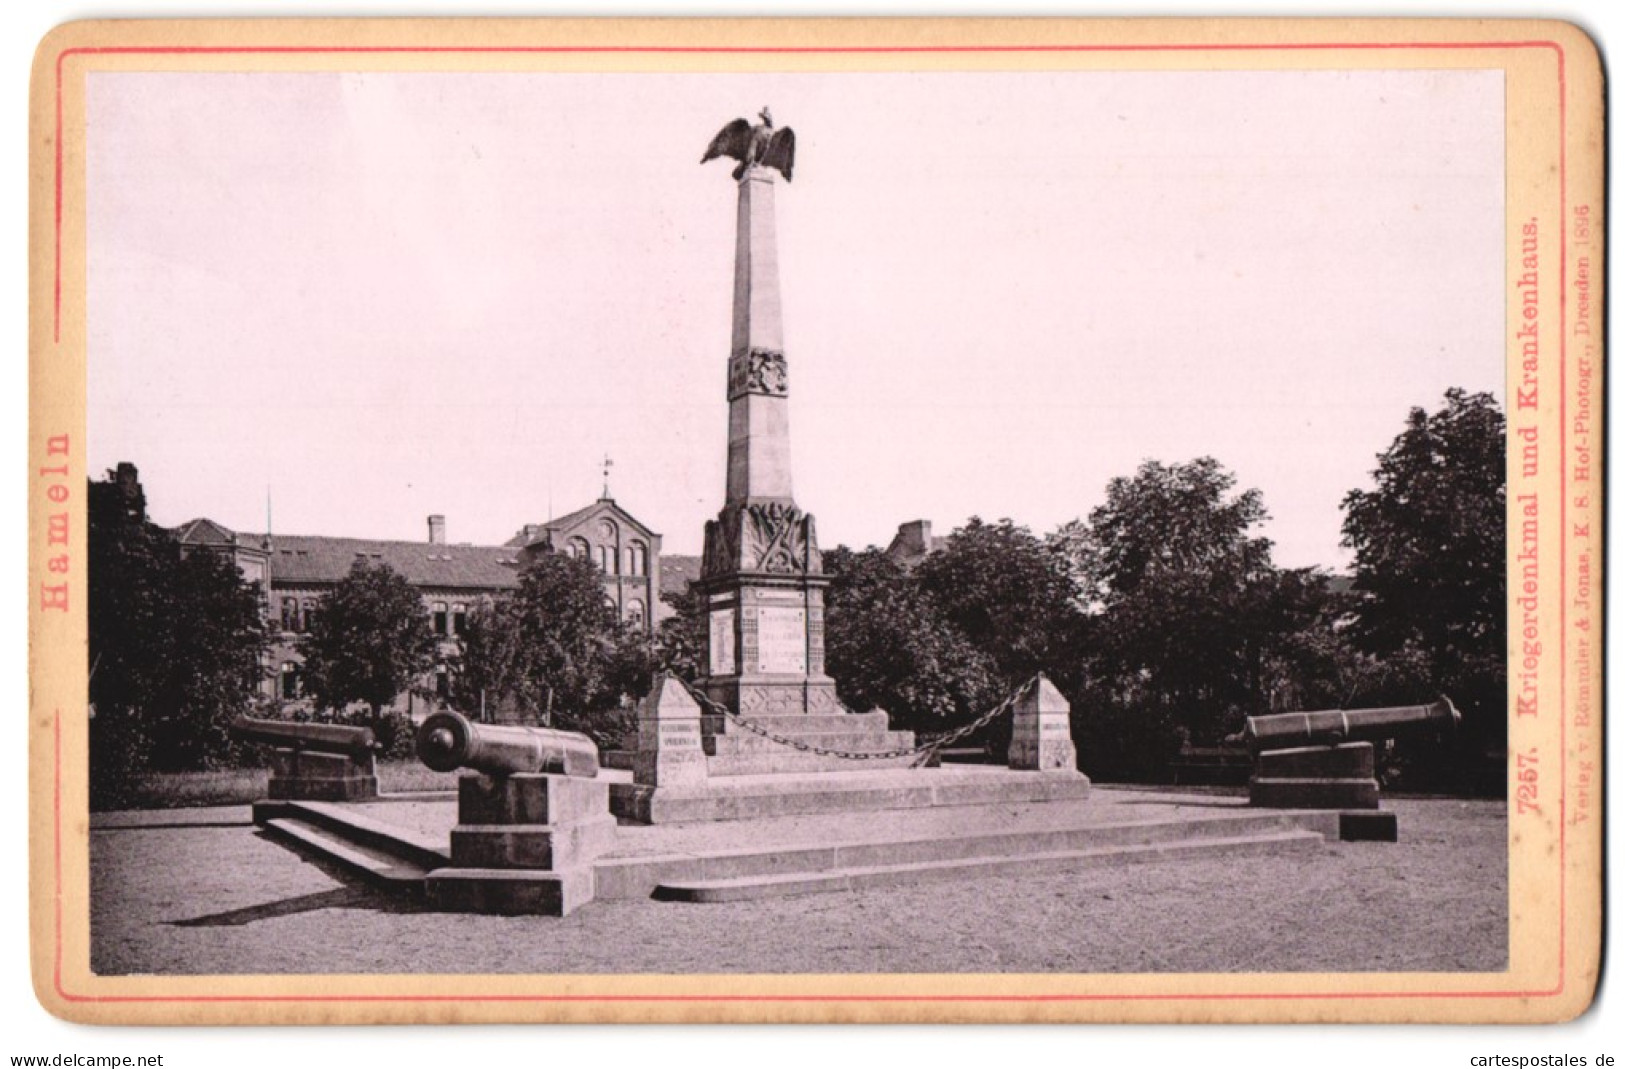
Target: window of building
634, 612
442, 682
290, 614
440, 618
459, 618
290, 680
306, 608
637, 559
579, 549
606, 559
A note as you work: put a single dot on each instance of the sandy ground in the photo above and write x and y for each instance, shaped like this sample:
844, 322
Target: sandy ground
204, 892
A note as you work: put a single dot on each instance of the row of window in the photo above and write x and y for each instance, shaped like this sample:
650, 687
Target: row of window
633, 560
447, 619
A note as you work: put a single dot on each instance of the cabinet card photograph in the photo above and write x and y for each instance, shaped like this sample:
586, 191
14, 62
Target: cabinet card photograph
774, 520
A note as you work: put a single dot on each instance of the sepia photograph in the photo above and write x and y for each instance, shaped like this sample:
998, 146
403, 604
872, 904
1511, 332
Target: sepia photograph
871, 522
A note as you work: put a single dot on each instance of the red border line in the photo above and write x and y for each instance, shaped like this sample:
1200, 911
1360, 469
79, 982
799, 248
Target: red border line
1556, 47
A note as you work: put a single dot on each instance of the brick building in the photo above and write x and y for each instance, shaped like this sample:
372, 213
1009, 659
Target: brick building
294, 571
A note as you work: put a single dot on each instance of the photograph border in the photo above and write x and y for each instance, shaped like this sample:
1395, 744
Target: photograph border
1548, 978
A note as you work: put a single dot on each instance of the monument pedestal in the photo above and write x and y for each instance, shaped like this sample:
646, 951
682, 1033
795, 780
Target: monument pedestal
1316, 777
307, 776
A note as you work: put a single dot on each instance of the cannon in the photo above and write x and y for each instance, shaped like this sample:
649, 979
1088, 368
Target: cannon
1324, 759
529, 826
1335, 726
448, 741
315, 762
351, 741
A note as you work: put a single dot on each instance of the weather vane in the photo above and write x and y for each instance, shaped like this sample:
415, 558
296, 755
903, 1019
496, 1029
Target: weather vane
608, 463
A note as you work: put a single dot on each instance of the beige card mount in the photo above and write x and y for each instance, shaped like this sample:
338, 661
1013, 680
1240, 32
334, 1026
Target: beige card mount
297, 284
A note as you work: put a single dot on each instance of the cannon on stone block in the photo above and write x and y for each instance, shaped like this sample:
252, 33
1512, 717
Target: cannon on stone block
532, 814
448, 741
315, 762
1324, 759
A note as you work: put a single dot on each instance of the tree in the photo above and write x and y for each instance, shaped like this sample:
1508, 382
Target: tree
175, 646
1192, 628
1429, 546
680, 639
888, 643
366, 641
555, 649
1009, 594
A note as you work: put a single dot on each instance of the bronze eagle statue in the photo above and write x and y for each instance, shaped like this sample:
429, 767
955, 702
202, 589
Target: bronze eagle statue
754, 146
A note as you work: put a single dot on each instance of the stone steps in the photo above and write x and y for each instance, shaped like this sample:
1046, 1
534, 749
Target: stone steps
639, 877
746, 742
797, 723
373, 864
856, 787
782, 760
864, 877
346, 836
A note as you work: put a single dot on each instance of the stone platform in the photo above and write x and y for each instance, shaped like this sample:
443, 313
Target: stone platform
400, 841
870, 790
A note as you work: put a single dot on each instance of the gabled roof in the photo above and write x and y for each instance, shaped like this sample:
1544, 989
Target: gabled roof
204, 532
554, 529
323, 559
676, 572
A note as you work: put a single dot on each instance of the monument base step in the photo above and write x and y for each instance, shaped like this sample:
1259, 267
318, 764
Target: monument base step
376, 866
345, 835
782, 761
796, 723
747, 796
745, 888
744, 743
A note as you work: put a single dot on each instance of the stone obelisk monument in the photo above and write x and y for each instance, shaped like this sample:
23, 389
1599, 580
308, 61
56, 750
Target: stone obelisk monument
762, 576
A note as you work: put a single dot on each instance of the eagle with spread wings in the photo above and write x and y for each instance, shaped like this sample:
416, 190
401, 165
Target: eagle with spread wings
754, 146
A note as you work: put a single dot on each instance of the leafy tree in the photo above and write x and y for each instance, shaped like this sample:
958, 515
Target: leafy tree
175, 646
1009, 594
1429, 546
555, 649
367, 640
681, 637
888, 643
1184, 595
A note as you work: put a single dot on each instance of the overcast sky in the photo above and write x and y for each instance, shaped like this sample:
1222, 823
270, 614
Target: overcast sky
388, 295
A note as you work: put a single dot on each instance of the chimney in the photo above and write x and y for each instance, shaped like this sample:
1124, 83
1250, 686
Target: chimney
437, 530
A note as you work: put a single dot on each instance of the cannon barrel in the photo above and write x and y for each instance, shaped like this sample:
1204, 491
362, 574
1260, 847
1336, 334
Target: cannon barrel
448, 741
356, 742
1280, 731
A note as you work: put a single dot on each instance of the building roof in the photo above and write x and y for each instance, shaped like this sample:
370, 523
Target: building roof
324, 559
204, 532
676, 572
532, 533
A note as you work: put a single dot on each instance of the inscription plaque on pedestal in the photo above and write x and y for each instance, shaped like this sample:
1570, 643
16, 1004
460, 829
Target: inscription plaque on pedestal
722, 642
782, 642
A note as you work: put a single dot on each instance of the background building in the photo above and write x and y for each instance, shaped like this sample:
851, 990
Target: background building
295, 571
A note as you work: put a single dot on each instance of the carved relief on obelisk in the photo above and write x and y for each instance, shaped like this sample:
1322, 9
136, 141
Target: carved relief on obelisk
762, 575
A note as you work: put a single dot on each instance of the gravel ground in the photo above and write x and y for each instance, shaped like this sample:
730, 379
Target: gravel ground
212, 895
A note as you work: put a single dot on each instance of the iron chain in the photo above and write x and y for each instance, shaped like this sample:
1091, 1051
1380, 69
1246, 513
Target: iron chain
924, 752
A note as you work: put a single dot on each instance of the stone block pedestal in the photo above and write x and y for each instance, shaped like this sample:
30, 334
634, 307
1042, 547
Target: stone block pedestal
1316, 777
524, 843
304, 776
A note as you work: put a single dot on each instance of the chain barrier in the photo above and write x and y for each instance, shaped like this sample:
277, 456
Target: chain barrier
924, 752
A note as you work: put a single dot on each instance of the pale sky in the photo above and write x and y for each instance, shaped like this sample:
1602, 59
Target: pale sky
388, 295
